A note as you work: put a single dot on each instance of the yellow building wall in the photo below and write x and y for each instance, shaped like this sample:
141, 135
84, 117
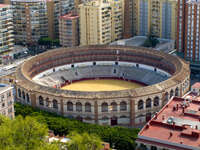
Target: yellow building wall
158, 18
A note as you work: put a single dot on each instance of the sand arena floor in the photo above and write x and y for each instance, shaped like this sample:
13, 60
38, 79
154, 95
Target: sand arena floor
101, 85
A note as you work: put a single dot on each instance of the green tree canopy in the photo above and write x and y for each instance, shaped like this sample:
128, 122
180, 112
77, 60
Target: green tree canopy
84, 142
120, 138
23, 134
48, 41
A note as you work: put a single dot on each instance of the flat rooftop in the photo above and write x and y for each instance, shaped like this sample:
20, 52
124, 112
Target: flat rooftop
176, 126
69, 16
3, 5
4, 87
196, 85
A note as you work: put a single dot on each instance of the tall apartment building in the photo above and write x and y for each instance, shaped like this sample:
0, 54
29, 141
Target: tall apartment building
117, 18
69, 30
30, 20
157, 17
95, 23
6, 101
192, 31
181, 25
38, 18
6, 29
101, 22
128, 18
4, 1
66, 6
55, 9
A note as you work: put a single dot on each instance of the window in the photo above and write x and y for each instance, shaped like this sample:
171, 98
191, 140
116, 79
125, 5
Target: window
78, 107
104, 107
113, 106
87, 107
47, 102
123, 106
23, 95
69, 106
156, 101
177, 92
27, 98
8, 94
55, 104
166, 96
2, 97
41, 101
140, 104
148, 103
171, 93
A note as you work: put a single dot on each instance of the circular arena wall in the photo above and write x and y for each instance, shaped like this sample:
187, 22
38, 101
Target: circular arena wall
131, 107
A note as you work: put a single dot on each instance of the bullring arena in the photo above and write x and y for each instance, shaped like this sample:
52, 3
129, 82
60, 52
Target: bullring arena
145, 80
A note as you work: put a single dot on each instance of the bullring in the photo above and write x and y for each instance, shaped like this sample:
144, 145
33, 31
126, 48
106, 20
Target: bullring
39, 79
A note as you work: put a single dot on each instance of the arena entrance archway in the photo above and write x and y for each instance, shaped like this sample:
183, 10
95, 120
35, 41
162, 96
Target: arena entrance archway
148, 117
113, 121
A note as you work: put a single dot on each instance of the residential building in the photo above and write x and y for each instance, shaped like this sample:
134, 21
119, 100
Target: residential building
101, 21
4, 1
157, 17
128, 18
34, 19
117, 18
192, 31
6, 101
30, 20
95, 23
175, 127
69, 30
6, 29
55, 9
66, 6
195, 88
180, 25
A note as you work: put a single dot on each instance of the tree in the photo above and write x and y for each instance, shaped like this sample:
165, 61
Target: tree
24, 134
151, 40
84, 142
120, 138
48, 41
45, 41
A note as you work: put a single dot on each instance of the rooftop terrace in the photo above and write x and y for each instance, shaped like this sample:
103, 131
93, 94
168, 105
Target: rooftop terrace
176, 126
